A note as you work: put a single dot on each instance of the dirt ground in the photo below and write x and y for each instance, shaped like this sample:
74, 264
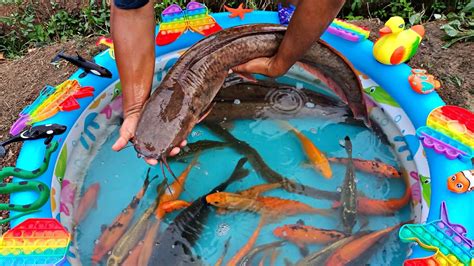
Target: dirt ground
22, 79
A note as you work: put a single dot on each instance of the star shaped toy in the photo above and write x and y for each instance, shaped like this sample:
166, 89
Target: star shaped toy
238, 12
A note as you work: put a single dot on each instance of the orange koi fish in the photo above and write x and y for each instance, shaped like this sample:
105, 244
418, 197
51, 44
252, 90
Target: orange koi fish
171, 194
248, 246
88, 200
253, 192
272, 206
354, 249
302, 235
461, 182
257, 190
317, 158
376, 167
174, 205
115, 231
368, 206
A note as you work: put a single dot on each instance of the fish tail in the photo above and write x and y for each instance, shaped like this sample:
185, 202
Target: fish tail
286, 125
323, 212
58, 56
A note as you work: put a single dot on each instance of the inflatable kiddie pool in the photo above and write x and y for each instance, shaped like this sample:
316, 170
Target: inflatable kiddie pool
432, 142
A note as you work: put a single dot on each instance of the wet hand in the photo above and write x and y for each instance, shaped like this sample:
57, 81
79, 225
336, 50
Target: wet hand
268, 66
127, 132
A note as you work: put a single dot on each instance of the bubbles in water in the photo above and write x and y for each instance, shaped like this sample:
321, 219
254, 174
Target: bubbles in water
236, 101
222, 229
102, 162
116, 176
309, 105
196, 133
313, 130
96, 241
338, 189
286, 100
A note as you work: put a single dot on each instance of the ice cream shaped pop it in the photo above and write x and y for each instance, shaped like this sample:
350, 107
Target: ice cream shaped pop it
33, 242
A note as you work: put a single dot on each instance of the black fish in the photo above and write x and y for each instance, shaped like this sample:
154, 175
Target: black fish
349, 192
175, 244
86, 65
198, 146
264, 170
46, 132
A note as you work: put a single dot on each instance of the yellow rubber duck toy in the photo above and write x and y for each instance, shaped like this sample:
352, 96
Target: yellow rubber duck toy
397, 44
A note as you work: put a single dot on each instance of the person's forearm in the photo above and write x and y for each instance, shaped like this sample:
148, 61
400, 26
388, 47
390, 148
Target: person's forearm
307, 25
133, 35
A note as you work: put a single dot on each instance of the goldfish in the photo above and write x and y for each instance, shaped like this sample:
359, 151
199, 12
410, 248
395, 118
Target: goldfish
320, 256
118, 227
349, 192
317, 158
376, 167
88, 200
272, 206
174, 205
246, 248
461, 182
167, 203
221, 258
125, 244
354, 249
257, 190
368, 206
302, 235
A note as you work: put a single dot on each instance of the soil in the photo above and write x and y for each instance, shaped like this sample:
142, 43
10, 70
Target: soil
22, 79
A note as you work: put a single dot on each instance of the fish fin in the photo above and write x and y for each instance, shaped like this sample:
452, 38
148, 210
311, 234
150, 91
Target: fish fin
336, 204
303, 250
79, 57
306, 164
103, 228
69, 104
364, 222
377, 159
206, 112
300, 222
83, 74
47, 141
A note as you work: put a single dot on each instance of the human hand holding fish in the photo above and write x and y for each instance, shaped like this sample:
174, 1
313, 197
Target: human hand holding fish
127, 132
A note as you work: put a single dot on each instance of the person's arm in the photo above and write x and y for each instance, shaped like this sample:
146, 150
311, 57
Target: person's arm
133, 32
308, 23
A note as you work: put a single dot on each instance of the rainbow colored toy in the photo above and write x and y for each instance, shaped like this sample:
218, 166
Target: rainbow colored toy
449, 130
422, 82
52, 100
109, 43
397, 44
348, 31
175, 21
448, 240
36, 241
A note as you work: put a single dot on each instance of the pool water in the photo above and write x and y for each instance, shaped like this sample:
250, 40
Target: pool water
121, 175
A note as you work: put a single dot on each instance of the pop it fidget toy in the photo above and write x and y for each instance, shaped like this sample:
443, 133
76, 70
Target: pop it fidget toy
447, 240
34, 242
348, 31
456, 122
443, 144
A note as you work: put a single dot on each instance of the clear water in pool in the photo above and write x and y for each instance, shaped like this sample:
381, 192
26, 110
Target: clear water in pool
121, 176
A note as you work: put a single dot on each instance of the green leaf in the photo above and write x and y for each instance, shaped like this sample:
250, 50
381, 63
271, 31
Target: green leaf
469, 7
450, 31
61, 164
415, 18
